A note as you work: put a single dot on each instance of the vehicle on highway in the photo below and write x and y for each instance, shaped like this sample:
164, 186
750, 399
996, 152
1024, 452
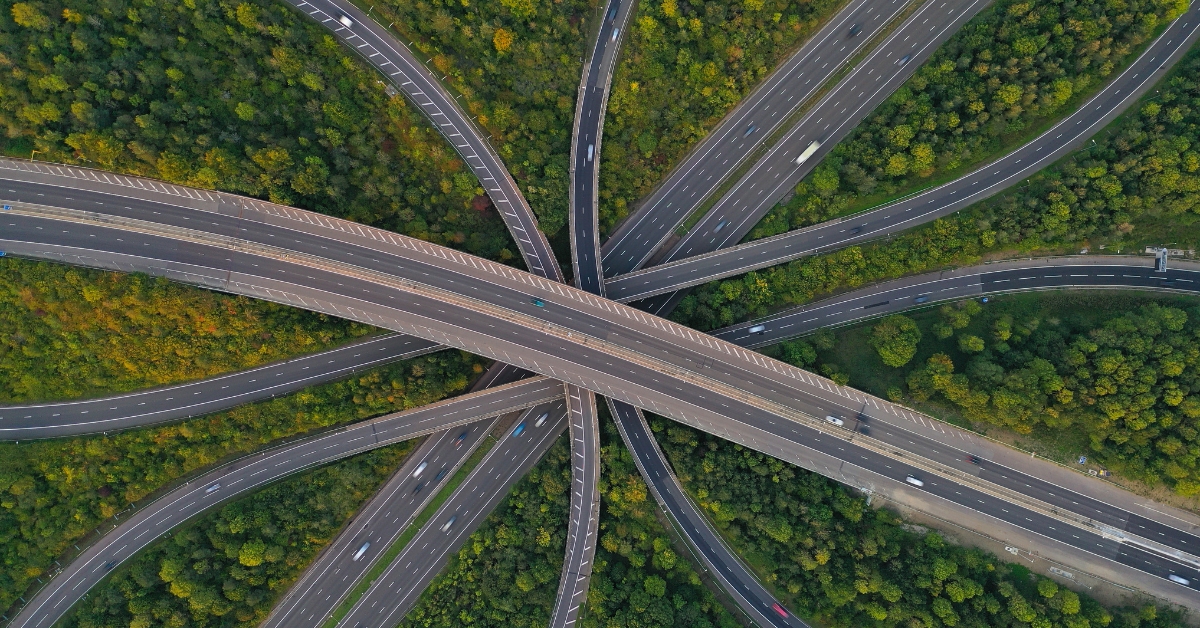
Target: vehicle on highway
616, 31
808, 152
914, 481
417, 488
1179, 580
538, 302
904, 59
857, 229
855, 30
591, 152
449, 522
750, 129
720, 225
921, 299
541, 420
834, 420
212, 489
520, 429
112, 563
441, 474
1, 253
7, 207
757, 329
361, 550
612, 13
420, 469
459, 441
866, 431
972, 459
345, 20
779, 609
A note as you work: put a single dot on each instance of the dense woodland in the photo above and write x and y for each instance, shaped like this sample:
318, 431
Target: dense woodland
1141, 174
1001, 78
248, 96
73, 332
53, 493
1115, 376
516, 64
831, 557
228, 568
684, 66
507, 572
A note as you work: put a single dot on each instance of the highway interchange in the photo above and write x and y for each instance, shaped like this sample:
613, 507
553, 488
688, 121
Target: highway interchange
347, 252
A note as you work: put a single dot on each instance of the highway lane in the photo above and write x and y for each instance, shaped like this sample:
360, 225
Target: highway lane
399, 587
563, 305
379, 522
1096, 271
742, 131
182, 401
375, 44
583, 523
737, 579
802, 437
936, 202
591, 103
251, 472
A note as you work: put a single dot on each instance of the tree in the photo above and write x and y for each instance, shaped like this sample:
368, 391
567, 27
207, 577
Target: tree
895, 339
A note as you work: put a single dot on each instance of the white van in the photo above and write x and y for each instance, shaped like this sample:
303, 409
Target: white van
914, 481
420, 468
834, 420
362, 550
591, 152
808, 152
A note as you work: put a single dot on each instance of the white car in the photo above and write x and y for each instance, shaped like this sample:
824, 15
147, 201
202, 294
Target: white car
449, 522
362, 550
914, 481
616, 31
1179, 580
345, 20
834, 420
541, 420
591, 152
757, 329
212, 489
420, 468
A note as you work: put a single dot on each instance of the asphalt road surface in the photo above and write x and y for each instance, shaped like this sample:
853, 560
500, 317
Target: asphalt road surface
251, 472
182, 401
382, 50
399, 587
591, 103
926, 206
741, 421
721, 562
1108, 271
583, 523
379, 522
742, 131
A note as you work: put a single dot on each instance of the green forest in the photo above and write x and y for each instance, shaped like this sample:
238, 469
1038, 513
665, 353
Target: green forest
249, 97
1112, 376
228, 567
1136, 182
830, 557
55, 492
684, 66
999, 80
507, 572
74, 332
516, 64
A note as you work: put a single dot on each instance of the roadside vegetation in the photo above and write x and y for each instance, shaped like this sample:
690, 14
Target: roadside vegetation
75, 332
1004, 77
54, 493
684, 65
516, 64
507, 572
249, 97
1135, 186
832, 558
1107, 375
229, 567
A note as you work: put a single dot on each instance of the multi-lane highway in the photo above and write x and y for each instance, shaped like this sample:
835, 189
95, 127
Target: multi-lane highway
379, 522
743, 130
926, 206
397, 62
254, 471
172, 403
1097, 271
583, 520
477, 306
399, 587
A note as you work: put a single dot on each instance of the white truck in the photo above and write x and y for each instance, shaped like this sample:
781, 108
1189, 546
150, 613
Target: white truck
808, 152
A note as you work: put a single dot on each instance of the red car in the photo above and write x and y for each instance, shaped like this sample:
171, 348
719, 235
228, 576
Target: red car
779, 609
